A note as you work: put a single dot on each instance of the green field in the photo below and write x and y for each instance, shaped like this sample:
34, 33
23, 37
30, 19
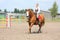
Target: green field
54, 20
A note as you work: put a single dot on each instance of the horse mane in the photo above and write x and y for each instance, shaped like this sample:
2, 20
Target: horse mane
31, 11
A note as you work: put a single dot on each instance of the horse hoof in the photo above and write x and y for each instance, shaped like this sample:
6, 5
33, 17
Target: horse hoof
40, 32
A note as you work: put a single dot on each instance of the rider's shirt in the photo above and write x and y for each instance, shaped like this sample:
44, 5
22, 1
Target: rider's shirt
37, 10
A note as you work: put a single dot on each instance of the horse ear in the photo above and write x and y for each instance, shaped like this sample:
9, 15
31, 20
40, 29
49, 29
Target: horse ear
32, 9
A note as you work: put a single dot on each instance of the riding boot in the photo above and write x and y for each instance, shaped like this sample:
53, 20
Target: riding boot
38, 20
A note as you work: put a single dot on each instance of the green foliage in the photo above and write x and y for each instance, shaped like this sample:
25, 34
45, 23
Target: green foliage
19, 11
16, 10
54, 10
5, 10
22, 11
2, 16
0, 10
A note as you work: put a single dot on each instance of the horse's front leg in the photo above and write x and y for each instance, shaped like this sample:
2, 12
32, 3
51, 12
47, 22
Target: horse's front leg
29, 29
30, 26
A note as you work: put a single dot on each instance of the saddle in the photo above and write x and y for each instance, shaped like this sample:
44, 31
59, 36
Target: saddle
37, 21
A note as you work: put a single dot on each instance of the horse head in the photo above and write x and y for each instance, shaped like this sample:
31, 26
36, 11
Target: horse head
29, 12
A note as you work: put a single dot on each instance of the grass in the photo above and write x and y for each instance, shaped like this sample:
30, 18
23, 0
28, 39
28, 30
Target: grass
3, 21
2, 26
54, 20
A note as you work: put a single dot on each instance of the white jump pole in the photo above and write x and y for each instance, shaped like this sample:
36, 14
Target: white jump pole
8, 24
8, 20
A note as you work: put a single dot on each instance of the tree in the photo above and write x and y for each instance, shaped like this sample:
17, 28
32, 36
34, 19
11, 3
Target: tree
0, 10
5, 10
54, 10
22, 11
16, 10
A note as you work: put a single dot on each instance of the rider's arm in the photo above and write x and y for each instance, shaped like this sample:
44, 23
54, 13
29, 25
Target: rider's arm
38, 10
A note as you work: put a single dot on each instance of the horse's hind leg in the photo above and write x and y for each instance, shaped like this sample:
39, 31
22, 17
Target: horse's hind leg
39, 30
29, 29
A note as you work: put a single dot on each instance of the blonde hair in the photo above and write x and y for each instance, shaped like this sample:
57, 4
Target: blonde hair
37, 5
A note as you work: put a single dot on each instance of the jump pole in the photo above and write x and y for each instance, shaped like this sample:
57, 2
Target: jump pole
8, 21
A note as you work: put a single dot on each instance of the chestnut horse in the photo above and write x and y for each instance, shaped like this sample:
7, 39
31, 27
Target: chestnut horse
32, 20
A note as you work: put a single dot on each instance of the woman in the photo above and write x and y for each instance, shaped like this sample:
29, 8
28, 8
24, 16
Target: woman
37, 10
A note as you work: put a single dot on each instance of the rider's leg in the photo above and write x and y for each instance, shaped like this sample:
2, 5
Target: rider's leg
38, 19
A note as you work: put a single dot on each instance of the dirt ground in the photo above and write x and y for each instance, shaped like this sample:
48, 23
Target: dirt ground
19, 31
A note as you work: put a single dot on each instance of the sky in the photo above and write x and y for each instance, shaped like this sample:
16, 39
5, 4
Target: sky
25, 4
